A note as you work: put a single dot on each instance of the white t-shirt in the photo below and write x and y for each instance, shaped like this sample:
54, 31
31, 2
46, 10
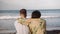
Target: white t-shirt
21, 29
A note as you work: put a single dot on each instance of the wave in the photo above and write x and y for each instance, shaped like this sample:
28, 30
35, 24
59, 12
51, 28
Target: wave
14, 17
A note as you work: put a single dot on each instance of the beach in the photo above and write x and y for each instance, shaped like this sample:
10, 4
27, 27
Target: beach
8, 18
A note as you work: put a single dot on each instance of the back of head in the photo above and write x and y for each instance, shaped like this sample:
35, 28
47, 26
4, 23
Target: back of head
36, 14
23, 11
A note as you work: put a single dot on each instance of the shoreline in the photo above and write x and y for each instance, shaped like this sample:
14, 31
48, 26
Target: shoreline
15, 17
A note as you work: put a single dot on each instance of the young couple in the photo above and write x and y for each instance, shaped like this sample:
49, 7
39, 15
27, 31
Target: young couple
33, 25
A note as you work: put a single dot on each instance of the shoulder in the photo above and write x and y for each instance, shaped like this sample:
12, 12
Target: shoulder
16, 21
28, 19
43, 20
18, 18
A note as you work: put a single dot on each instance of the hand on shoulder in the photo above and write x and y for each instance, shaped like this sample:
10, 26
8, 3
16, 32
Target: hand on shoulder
28, 21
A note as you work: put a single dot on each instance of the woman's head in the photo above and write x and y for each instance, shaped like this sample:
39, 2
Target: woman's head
23, 13
36, 14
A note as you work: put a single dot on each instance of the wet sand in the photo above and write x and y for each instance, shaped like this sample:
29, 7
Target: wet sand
53, 32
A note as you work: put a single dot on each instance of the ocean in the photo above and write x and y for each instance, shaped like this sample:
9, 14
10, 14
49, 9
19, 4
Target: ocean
8, 17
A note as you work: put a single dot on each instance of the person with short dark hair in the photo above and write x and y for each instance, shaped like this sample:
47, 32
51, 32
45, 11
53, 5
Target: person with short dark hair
20, 26
36, 24
36, 14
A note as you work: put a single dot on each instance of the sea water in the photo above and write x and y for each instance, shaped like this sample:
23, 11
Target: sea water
8, 17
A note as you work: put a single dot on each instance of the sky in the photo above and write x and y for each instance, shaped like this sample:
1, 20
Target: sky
29, 4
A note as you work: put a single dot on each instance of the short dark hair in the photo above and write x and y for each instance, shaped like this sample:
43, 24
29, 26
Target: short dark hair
36, 14
23, 11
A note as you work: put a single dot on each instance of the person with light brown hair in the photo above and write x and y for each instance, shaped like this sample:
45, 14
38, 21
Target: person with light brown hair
20, 26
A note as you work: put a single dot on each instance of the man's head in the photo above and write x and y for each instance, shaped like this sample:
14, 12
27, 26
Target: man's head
23, 13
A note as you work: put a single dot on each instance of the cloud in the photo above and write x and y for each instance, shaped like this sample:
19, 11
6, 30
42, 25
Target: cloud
29, 4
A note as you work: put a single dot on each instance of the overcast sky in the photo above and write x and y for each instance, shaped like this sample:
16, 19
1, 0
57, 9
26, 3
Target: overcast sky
29, 4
